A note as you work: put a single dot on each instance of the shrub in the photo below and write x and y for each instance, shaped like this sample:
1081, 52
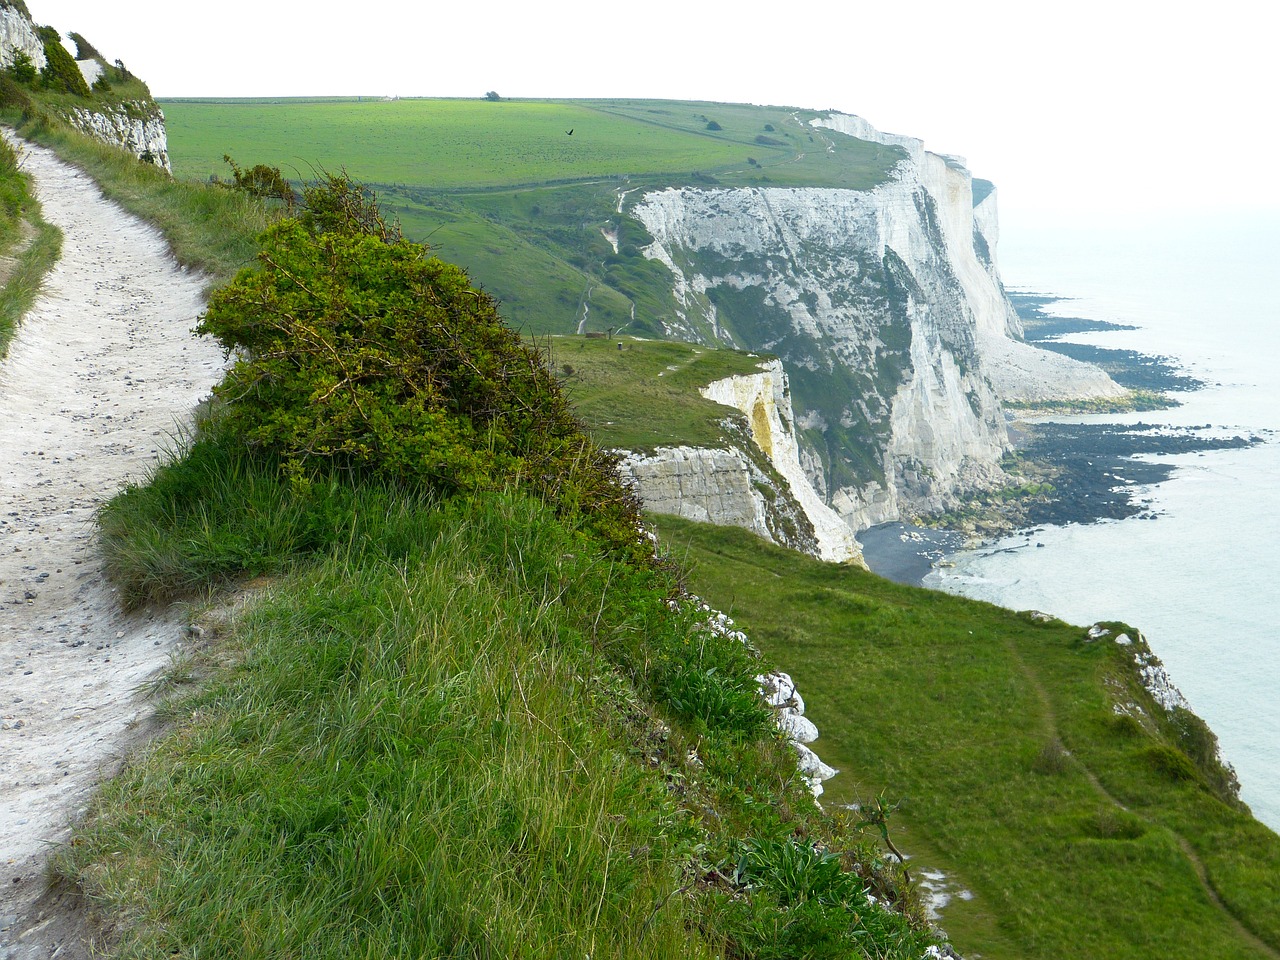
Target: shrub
22, 69
262, 181
12, 95
61, 72
361, 353
712, 125
1172, 763
84, 49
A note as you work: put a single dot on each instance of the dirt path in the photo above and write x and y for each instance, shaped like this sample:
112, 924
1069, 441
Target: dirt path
97, 380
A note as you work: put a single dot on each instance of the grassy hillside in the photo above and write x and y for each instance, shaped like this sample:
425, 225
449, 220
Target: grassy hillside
462, 724
1081, 830
639, 394
464, 715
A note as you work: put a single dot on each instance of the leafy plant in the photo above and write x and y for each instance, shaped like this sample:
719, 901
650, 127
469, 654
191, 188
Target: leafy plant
22, 69
262, 181
84, 49
361, 353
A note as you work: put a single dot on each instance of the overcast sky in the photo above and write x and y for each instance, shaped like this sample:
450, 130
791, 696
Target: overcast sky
1123, 106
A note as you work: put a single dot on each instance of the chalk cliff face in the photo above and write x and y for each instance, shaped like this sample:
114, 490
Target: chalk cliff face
886, 308
137, 127
755, 481
18, 35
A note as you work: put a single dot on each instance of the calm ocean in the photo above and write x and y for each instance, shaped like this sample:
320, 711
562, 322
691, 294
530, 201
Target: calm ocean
1202, 581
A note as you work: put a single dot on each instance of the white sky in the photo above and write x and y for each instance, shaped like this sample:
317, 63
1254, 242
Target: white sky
1123, 106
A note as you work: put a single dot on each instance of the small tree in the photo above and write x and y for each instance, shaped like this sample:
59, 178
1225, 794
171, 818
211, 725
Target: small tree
61, 72
492, 96
23, 69
84, 49
262, 181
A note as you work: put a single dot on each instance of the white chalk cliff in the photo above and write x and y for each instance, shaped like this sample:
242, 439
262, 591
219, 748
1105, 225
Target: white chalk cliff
137, 127
887, 311
18, 35
754, 481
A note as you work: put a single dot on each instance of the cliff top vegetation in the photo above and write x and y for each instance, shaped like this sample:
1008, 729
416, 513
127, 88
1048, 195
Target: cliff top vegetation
587, 770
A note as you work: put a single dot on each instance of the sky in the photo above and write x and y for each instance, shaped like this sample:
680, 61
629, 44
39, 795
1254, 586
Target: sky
1119, 108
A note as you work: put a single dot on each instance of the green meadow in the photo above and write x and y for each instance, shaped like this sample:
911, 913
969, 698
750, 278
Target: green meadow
468, 144
1078, 831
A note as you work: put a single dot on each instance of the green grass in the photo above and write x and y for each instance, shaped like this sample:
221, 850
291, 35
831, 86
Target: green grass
210, 229
450, 729
962, 709
645, 395
453, 144
29, 243
503, 191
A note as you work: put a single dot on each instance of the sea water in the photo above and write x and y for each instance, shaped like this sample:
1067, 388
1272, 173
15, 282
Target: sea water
1202, 581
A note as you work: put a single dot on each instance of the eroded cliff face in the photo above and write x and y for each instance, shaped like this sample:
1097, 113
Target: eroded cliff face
755, 481
886, 308
136, 126
18, 35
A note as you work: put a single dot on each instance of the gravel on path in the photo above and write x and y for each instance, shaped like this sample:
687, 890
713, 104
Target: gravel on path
99, 381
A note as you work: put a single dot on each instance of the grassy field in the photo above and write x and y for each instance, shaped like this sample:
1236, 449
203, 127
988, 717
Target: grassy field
504, 191
1080, 832
640, 394
468, 144
382, 759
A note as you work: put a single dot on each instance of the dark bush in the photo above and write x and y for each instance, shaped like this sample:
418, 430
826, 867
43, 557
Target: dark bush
363, 354
22, 69
61, 72
84, 49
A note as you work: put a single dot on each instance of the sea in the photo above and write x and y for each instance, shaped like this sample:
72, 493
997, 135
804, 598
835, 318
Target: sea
1201, 580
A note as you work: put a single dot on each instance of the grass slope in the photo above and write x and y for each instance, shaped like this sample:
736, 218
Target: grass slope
1081, 832
641, 394
28, 245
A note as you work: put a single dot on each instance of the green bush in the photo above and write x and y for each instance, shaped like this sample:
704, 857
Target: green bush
22, 69
61, 72
84, 49
360, 352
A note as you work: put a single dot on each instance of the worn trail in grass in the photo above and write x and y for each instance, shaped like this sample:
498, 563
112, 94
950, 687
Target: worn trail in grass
98, 378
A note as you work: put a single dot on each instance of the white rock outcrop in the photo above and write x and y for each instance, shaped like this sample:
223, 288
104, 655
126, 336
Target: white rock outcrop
137, 127
886, 302
765, 399
764, 490
18, 34
699, 483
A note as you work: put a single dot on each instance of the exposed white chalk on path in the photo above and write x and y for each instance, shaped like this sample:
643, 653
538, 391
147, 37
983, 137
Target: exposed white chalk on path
101, 374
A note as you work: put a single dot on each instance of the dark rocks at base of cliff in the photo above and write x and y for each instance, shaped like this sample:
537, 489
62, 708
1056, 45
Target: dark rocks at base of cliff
1093, 470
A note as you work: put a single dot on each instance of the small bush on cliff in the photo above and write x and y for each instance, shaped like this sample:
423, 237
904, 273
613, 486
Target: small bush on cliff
22, 69
361, 353
84, 49
61, 73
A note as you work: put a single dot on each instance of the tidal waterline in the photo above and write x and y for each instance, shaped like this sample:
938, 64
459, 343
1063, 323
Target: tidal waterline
1199, 580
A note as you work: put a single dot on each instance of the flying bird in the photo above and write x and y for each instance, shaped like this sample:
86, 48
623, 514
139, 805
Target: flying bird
569, 132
